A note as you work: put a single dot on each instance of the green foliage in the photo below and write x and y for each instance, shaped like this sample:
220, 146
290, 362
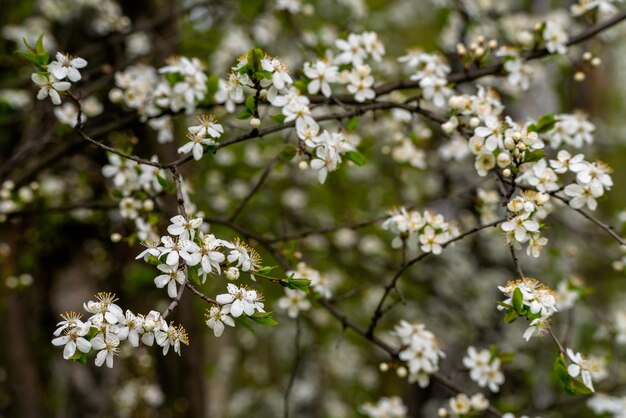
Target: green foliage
168, 186
570, 385
37, 54
288, 153
356, 157
533, 156
546, 123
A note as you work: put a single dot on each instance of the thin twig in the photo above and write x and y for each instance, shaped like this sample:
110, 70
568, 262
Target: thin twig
255, 189
379, 312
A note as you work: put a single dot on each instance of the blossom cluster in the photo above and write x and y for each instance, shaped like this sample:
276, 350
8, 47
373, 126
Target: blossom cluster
200, 135
424, 230
484, 368
179, 86
420, 350
59, 77
108, 326
430, 71
462, 405
320, 283
527, 211
392, 407
534, 300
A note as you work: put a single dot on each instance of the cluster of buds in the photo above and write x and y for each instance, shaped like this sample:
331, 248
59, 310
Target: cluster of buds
589, 62
477, 50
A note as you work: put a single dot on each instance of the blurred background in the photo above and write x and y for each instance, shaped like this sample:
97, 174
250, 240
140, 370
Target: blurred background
57, 251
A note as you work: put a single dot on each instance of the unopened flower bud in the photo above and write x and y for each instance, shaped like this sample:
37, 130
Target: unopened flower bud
148, 205
587, 56
303, 165
579, 76
493, 44
504, 159
474, 122
442, 412
255, 122
506, 172
525, 38
596, 61
509, 143
480, 51
116, 237
232, 273
383, 367
116, 96
402, 372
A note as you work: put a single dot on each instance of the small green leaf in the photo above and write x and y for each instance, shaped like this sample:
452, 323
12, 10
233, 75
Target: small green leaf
546, 123
254, 59
212, 148
264, 318
245, 322
510, 316
117, 194
518, 301
174, 78
193, 274
265, 269
297, 284
212, 85
264, 74
168, 187
280, 118
352, 123
534, 156
288, 153
250, 104
356, 157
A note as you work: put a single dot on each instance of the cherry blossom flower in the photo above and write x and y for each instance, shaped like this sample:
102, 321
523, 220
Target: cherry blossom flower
216, 318
67, 66
50, 86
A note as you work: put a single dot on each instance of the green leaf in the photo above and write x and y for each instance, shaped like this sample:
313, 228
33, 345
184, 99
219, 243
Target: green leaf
518, 301
117, 194
174, 78
531, 157
280, 118
250, 104
569, 384
212, 85
510, 316
356, 157
193, 274
264, 318
288, 153
168, 187
264, 74
546, 123
245, 322
39, 49
248, 110
212, 148
506, 357
265, 269
296, 284
254, 59
352, 123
